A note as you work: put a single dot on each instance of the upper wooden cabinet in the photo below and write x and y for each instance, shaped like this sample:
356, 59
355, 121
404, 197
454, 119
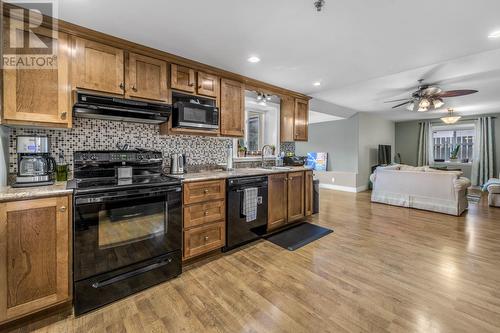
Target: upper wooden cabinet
294, 119
277, 202
208, 85
287, 115
182, 78
295, 196
301, 122
34, 255
146, 78
97, 67
38, 96
232, 110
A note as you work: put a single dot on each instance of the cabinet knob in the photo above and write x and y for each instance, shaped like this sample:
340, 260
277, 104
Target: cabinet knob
134, 88
122, 86
206, 191
191, 84
206, 238
64, 114
62, 209
206, 213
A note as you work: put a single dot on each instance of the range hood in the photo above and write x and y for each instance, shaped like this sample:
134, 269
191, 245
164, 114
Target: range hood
120, 109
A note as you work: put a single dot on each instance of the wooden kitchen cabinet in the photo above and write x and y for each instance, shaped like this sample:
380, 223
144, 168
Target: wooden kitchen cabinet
37, 96
232, 110
294, 119
182, 78
208, 85
295, 196
146, 78
204, 221
301, 121
277, 202
308, 193
34, 255
97, 67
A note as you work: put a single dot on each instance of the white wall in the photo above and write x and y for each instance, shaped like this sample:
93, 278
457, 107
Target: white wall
373, 131
4, 155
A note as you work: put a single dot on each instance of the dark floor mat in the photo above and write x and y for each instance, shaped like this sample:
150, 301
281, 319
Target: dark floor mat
296, 237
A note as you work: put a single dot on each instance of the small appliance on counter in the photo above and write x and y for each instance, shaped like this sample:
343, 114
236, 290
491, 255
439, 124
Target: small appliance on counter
35, 166
294, 160
177, 164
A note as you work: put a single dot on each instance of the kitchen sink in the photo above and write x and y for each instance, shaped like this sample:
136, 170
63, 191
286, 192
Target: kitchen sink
276, 168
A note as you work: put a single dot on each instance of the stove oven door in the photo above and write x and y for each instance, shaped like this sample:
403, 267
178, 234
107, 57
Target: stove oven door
118, 229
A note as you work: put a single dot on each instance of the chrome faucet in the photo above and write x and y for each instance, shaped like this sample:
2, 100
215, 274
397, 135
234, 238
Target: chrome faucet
263, 152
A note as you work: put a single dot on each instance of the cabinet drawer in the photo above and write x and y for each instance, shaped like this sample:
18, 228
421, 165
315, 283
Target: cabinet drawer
204, 239
203, 213
204, 191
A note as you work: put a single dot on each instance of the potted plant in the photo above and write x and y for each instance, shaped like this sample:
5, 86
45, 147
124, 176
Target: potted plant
454, 154
242, 151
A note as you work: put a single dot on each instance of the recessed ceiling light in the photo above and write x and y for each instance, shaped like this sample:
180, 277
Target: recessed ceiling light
494, 34
317, 84
253, 59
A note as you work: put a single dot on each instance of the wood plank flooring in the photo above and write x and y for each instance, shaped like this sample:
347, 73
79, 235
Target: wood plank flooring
384, 269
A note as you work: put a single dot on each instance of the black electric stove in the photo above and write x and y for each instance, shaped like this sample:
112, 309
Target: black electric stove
127, 225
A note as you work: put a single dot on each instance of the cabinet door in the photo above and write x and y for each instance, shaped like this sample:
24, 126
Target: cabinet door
287, 114
146, 78
308, 193
232, 111
38, 96
182, 78
208, 85
295, 196
277, 201
34, 255
97, 67
301, 121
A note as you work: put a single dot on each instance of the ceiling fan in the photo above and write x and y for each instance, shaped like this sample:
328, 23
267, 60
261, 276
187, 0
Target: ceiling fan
429, 97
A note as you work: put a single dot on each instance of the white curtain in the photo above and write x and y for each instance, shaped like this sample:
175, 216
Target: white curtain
483, 163
424, 143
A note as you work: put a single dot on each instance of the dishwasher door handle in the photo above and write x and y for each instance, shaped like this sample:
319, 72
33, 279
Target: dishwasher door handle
243, 189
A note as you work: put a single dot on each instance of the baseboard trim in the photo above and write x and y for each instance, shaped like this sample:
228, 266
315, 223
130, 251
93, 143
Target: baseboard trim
344, 188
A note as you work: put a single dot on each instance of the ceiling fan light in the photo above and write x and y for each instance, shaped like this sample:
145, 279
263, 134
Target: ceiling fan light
422, 109
437, 103
410, 106
424, 103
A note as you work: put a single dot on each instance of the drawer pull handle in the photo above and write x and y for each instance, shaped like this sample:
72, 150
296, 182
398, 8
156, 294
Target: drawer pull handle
62, 209
206, 213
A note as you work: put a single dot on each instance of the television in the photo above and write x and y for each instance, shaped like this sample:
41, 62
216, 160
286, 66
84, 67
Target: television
384, 155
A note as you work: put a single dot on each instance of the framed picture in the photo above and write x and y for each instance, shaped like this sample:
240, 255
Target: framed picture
317, 161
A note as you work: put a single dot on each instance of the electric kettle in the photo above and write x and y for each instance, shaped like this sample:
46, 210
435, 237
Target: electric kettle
177, 164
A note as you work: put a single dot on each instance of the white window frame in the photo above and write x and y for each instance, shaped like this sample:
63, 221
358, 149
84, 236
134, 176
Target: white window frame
454, 127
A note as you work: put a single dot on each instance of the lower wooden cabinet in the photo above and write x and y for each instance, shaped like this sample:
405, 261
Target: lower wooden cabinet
290, 198
308, 193
34, 255
204, 222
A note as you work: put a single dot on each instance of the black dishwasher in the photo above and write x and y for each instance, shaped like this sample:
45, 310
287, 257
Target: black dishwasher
238, 230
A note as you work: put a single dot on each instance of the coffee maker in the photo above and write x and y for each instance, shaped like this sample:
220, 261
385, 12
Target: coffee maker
35, 166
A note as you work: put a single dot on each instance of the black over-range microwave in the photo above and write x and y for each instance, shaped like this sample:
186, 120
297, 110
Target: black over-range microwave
195, 113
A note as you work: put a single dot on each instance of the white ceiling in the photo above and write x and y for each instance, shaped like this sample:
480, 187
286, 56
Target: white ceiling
356, 48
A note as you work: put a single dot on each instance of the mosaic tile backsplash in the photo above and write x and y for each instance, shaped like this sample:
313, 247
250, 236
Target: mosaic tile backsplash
97, 134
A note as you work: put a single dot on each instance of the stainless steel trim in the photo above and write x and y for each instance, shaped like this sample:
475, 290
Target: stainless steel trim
32, 179
196, 125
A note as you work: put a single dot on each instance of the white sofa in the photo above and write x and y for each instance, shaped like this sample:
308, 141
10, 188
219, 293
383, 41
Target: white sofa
493, 188
421, 187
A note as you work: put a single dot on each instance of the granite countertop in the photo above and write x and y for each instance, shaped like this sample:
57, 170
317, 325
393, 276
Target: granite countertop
8, 193
220, 174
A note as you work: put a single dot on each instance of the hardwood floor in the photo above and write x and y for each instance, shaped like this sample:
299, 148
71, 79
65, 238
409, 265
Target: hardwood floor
383, 269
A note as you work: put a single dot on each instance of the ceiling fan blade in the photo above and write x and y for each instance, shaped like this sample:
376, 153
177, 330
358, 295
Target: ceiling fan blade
456, 93
398, 100
397, 106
